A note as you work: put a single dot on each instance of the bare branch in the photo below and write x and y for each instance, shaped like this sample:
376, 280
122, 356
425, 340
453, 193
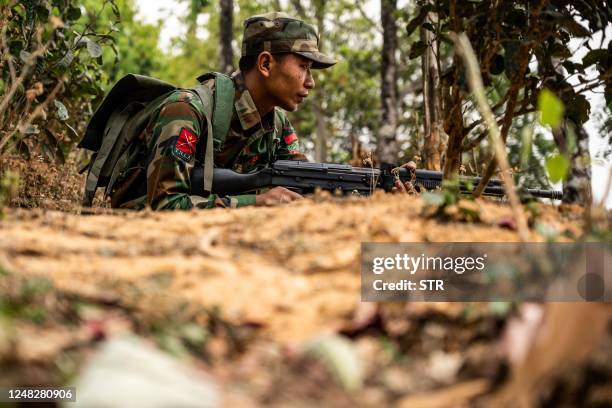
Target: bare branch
15, 85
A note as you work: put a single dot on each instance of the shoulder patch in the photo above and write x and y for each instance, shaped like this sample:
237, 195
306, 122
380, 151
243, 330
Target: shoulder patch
185, 146
290, 138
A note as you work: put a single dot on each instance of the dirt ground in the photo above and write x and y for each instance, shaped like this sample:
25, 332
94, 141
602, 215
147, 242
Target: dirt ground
246, 295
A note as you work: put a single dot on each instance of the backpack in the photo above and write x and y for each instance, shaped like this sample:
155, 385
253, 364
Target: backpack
125, 112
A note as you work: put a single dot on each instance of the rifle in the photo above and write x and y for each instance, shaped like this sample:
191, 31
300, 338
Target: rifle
305, 177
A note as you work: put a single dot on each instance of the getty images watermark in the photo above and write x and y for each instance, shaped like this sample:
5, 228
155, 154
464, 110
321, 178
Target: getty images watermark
486, 272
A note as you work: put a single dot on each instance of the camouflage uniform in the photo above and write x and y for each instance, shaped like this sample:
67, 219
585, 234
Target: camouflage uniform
176, 138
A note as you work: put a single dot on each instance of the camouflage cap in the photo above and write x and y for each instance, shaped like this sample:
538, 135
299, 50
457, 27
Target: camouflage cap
278, 33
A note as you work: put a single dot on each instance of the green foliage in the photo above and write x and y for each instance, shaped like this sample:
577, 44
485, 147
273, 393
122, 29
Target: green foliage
557, 167
418, 48
55, 54
198, 50
94, 43
135, 47
508, 37
551, 109
528, 148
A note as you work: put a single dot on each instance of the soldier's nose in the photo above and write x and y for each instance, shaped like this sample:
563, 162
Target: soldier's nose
310, 82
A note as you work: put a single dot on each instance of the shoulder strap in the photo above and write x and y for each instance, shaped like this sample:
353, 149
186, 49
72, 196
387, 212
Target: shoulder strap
218, 118
224, 103
116, 122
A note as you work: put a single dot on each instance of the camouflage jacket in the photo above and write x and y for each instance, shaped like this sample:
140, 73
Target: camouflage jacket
175, 142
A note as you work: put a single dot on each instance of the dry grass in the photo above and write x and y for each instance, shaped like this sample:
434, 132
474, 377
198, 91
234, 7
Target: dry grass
46, 185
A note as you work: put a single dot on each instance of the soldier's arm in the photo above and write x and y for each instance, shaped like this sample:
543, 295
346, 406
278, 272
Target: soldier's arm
289, 147
172, 159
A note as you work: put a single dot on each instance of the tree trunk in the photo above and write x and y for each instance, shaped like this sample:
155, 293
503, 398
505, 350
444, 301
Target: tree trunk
577, 185
321, 122
226, 21
387, 149
321, 128
431, 98
453, 116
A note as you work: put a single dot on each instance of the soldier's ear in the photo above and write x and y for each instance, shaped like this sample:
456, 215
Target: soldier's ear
264, 62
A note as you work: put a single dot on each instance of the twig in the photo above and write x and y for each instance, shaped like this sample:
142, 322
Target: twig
464, 48
15, 85
35, 114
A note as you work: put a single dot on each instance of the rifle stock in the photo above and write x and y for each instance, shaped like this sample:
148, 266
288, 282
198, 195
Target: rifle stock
305, 177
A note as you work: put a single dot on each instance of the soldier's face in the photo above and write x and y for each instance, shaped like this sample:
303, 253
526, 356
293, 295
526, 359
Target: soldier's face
290, 81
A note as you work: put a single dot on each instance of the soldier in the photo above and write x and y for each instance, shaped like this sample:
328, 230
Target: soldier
278, 54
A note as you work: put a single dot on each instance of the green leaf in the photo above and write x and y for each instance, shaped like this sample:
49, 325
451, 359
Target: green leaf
429, 26
570, 66
52, 148
417, 49
66, 59
415, 22
61, 111
116, 11
94, 49
598, 56
43, 10
578, 109
551, 108
560, 51
557, 167
73, 13
80, 42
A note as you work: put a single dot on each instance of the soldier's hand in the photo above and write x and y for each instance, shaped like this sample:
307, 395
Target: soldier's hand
277, 195
405, 187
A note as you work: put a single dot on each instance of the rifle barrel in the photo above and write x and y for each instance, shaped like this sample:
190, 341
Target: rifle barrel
307, 176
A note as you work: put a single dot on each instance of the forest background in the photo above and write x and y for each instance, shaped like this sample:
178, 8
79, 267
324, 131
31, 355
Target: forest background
68, 281
399, 89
